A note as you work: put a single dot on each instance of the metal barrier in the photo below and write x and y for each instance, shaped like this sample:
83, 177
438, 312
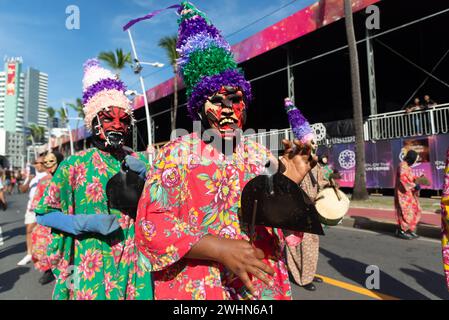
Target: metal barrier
402, 124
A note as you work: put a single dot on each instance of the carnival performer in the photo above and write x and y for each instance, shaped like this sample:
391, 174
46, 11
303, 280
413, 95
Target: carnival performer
188, 226
30, 186
41, 236
91, 238
406, 198
302, 249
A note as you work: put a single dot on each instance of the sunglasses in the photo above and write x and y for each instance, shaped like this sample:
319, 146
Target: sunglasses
38, 163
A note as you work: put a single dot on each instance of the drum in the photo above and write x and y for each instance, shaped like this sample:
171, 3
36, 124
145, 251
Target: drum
332, 205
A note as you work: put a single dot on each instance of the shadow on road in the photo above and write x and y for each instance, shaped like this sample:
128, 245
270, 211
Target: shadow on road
429, 280
19, 231
17, 248
355, 270
9, 278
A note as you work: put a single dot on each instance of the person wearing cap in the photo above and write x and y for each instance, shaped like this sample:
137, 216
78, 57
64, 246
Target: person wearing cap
93, 254
406, 198
189, 231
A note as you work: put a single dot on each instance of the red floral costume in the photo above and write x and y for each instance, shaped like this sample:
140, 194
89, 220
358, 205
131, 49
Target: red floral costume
408, 210
192, 192
41, 236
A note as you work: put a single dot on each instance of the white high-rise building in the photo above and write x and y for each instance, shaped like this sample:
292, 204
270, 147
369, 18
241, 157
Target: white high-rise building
23, 101
36, 97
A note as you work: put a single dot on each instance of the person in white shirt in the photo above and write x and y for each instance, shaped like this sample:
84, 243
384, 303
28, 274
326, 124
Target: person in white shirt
30, 185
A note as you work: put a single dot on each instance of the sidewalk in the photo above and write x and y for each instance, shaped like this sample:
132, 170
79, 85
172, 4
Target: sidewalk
384, 220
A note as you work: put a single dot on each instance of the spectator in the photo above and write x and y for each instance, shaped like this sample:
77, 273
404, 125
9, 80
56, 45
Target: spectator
428, 102
415, 106
7, 181
30, 185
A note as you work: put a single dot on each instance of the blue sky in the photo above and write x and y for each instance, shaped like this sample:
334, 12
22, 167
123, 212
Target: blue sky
36, 30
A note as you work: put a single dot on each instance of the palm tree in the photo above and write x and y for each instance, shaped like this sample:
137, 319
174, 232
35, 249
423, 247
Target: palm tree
36, 135
169, 44
78, 107
51, 115
116, 60
359, 192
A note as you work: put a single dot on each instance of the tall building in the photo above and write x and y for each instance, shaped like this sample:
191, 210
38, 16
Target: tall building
12, 102
36, 97
23, 100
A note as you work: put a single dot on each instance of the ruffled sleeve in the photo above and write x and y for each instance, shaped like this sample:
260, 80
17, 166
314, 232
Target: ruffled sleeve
163, 232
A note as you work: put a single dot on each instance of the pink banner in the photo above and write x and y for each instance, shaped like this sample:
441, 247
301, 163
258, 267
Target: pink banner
309, 19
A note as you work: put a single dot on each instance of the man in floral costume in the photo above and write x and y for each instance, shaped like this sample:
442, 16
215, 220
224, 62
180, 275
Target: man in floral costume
188, 224
97, 240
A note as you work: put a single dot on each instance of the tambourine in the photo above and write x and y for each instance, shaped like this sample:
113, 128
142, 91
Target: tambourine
332, 205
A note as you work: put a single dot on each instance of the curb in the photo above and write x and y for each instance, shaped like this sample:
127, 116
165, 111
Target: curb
385, 226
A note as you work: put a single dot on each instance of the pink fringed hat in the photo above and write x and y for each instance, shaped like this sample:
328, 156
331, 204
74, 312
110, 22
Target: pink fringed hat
101, 90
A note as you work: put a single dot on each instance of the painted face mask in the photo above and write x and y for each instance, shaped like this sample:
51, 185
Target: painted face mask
51, 162
113, 126
225, 111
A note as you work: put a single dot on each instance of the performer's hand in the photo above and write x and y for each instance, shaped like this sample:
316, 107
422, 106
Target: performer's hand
298, 159
240, 257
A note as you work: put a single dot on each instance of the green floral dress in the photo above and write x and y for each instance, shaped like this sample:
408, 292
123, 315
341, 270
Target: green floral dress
92, 266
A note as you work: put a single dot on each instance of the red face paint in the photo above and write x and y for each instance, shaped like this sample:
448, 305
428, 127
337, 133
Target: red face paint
225, 111
114, 120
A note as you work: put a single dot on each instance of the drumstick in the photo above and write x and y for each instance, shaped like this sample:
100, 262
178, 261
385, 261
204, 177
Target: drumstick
252, 227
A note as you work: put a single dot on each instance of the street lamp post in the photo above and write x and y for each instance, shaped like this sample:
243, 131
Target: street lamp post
137, 70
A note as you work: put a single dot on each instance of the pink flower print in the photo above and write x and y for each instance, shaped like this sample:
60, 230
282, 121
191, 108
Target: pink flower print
94, 191
228, 232
109, 285
77, 175
86, 295
117, 251
170, 177
148, 228
90, 264
193, 161
52, 199
99, 164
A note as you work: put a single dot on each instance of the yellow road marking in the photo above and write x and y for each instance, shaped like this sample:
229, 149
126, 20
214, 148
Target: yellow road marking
357, 289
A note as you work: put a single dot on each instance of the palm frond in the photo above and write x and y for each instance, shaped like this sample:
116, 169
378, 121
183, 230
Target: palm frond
169, 44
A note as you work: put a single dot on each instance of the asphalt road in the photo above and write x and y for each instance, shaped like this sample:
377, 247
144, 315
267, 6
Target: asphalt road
407, 269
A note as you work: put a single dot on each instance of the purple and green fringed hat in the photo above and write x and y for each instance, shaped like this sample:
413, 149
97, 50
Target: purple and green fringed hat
101, 90
206, 62
300, 126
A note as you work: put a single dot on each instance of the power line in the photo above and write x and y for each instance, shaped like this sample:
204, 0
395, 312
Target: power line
259, 19
345, 46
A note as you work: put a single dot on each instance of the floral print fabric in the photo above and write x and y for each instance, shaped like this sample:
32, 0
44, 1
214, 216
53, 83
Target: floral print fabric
92, 266
41, 236
445, 220
192, 191
408, 210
